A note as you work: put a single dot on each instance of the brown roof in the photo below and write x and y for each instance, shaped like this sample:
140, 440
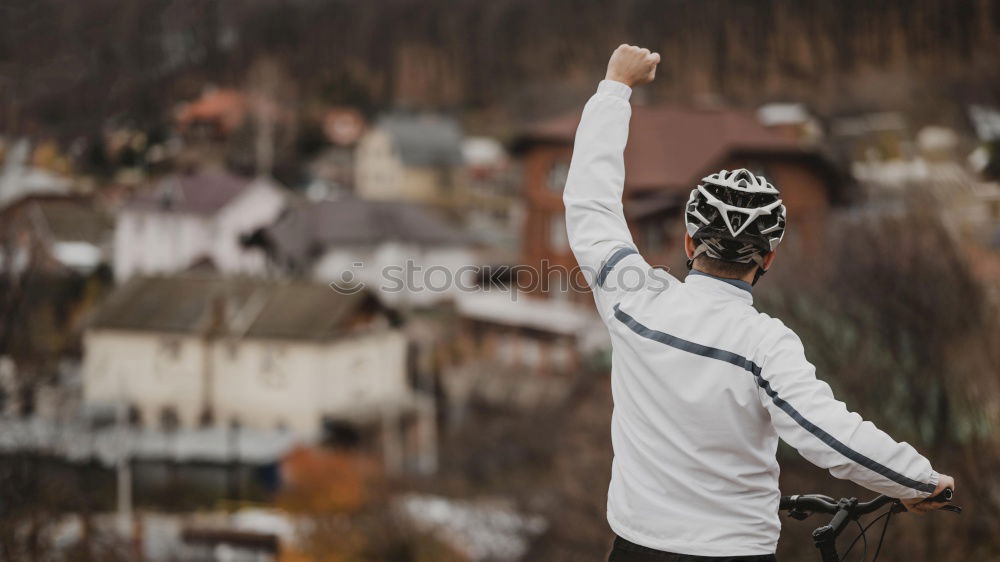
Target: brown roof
76, 221
674, 147
237, 307
203, 193
64, 218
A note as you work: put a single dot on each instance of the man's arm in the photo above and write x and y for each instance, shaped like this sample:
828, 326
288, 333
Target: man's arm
598, 233
806, 415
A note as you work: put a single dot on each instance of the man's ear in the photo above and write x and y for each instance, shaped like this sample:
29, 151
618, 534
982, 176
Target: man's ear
769, 259
689, 245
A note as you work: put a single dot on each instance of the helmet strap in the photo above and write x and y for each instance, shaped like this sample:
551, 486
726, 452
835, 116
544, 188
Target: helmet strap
759, 260
701, 249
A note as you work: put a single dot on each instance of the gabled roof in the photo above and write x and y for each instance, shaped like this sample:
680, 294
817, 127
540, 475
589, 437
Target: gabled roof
62, 218
672, 148
74, 219
352, 222
424, 140
236, 307
203, 193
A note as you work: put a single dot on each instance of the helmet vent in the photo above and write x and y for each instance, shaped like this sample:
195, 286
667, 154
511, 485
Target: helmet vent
740, 212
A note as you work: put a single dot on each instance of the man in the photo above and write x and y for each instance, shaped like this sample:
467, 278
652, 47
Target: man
703, 384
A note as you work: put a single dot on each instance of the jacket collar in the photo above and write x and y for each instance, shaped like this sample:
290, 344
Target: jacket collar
735, 287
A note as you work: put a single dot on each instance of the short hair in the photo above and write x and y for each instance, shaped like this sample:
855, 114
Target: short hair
723, 268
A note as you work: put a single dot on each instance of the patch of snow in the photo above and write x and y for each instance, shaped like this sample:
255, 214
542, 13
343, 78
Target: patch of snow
77, 255
772, 114
514, 309
480, 529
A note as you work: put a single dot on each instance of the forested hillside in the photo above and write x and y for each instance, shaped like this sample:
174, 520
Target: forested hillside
66, 67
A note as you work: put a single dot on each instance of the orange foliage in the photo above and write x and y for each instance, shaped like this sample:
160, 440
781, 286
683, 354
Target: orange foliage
323, 481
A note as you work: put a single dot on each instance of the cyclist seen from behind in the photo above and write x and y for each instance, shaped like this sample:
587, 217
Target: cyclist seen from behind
703, 384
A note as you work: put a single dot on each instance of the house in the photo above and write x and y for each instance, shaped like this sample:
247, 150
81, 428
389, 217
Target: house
202, 351
411, 157
19, 177
493, 206
54, 234
405, 252
670, 149
186, 219
517, 352
896, 164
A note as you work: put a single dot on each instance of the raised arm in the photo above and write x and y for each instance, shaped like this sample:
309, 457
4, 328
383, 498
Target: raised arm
595, 221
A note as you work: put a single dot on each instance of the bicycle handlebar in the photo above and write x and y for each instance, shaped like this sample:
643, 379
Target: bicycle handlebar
817, 503
824, 504
846, 510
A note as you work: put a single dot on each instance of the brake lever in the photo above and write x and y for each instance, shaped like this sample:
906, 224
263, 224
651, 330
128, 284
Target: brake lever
796, 513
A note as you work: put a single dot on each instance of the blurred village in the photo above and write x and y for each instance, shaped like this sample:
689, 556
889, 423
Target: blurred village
206, 352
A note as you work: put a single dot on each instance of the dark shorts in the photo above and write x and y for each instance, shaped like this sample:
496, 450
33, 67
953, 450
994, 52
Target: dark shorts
625, 551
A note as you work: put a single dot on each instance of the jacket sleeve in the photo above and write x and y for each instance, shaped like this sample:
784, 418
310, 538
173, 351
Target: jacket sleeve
595, 221
806, 415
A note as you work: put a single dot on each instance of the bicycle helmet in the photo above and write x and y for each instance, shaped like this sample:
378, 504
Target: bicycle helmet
735, 216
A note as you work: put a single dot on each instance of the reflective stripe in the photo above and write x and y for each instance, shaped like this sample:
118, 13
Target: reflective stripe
755, 370
619, 255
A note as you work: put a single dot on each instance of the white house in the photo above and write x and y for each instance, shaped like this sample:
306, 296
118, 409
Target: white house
399, 249
186, 219
195, 351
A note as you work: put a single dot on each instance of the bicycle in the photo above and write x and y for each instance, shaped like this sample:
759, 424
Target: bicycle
844, 511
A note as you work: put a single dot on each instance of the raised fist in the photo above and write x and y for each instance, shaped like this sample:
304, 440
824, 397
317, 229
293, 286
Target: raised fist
632, 65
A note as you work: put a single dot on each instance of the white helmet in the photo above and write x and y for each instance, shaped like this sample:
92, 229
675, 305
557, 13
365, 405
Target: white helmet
735, 216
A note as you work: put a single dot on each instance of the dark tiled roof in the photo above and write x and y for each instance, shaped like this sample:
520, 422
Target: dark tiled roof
352, 222
238, 307
71, 219
424, 140
203, 193
673, 147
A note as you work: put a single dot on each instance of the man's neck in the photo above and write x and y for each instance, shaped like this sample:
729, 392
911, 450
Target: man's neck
748, 278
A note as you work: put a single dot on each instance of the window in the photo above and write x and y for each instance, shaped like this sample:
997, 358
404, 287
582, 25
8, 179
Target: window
170, 348
207, 418
653, 235
169, 420
556, 178
341, 434
271, 372
660, 232
557, 233
134, 416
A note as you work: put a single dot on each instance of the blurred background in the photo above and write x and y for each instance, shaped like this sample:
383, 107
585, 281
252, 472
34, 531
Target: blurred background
181, 182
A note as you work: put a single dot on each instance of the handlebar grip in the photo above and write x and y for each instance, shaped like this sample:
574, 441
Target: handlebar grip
945, 496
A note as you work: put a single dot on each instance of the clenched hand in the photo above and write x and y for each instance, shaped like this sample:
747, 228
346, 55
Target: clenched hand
922, 505
632, 65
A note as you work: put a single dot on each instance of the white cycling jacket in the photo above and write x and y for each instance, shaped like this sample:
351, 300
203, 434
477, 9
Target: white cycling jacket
703, 384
